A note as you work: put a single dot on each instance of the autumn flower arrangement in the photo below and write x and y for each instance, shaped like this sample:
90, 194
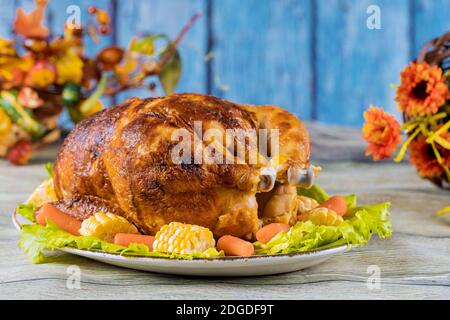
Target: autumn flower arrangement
41, 75
423, 97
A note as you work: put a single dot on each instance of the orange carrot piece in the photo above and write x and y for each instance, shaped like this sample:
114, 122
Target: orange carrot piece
61, 219
337, 204
266, 233
124, 239
233, 246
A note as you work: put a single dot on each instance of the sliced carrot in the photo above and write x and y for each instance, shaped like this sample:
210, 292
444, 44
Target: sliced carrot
337, 204
266, 233
233, 246
124, 239
61, 219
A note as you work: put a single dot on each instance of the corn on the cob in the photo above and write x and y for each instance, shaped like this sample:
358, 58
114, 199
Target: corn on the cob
177, 237
306, 204
322, 216
44, 193
105, 226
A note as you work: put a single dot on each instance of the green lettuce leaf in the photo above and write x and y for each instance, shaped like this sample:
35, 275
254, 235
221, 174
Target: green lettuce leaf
315, 192
357, 229
27, 211
49, 167
36, 238
350, 200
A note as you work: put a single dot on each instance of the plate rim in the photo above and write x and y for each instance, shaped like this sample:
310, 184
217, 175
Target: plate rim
316, 253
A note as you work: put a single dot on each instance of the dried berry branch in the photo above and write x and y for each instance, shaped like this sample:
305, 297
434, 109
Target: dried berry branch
156, 67
173, 46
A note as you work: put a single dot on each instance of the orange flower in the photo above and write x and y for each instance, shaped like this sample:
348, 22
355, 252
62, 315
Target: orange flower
382, 132
422, 156
422, 89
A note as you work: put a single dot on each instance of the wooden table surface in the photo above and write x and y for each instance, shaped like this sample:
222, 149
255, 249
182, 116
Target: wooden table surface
413, 264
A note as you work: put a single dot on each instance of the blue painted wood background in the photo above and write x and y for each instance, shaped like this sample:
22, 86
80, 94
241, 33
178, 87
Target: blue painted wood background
316, 58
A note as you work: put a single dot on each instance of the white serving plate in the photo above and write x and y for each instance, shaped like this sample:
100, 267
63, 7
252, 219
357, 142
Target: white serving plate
216, 267
225, 266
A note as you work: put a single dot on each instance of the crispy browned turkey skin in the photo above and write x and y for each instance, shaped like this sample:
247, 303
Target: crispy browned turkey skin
120, 160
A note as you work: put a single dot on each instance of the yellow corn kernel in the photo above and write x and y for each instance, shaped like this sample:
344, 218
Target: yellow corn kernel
322, 216
177, 237
44, 193
105, 226
306, 204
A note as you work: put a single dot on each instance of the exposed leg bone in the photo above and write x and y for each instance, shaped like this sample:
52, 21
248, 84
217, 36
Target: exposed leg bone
301, 177
267, 179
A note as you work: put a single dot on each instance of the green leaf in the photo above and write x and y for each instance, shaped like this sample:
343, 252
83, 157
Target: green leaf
146, 45
89, 103
18, 114
36, 238
27, 211
360, 223
358, 230
320, 195
351, 200
49, 166
315, 192
170, 73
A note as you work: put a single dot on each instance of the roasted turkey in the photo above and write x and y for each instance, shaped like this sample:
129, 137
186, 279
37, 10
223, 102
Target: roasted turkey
121, 160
